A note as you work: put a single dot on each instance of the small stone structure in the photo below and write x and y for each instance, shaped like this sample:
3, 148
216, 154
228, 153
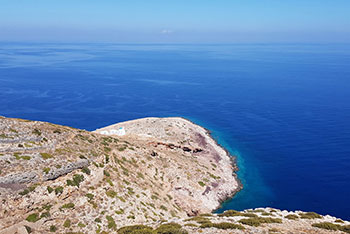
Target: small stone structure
119, 132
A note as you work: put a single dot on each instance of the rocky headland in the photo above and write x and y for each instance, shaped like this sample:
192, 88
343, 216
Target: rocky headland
162, 175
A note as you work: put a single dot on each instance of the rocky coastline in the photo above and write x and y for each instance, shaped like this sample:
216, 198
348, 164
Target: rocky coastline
151, 175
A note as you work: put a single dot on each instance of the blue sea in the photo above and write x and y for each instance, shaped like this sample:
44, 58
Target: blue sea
282, 109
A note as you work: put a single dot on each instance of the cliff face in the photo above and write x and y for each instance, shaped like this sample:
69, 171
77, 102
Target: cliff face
197, 173
161, 169
59, 179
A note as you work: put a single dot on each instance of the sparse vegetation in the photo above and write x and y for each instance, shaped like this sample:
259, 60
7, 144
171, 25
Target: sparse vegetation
53, 228
33, 217
170, 228
111, 193
106, 173
223, 225
256, 221
231, 213
36, 132
49, 189
67, 223
67, 206
199, 219
137, 229
310, 215
86, 170
46, 170
292, 216
58, 190
77, 179
111, 223
46, 155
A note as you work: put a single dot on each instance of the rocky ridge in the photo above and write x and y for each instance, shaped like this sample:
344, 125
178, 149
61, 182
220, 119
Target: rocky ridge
163, 170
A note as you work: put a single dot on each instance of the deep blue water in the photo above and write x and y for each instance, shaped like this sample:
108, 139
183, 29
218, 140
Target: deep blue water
283, 109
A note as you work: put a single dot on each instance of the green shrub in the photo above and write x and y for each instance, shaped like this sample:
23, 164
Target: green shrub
110, 182
67, 223
292, 216
121, 211
86, 170
327, 226
90, 196
80, 224
24, 192
106, 173
191, 225
170, 228
111, 222
53, 228
77, 179
310, 215
59, 190
201, 183
223, 225
67, 206
46, 170
231, 213
46, 155
111, 193
33, 217
36, 132
259, 220
45, 215
136, 229
332, 226
206, 215
49, 189
199, 219
98, 220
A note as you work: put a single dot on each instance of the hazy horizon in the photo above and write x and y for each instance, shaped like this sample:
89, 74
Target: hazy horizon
182, 21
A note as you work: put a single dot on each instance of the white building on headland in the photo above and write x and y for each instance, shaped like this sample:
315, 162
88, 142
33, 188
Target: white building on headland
119, 132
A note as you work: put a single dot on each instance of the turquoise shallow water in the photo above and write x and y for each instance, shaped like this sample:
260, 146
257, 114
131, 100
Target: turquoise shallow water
283, 109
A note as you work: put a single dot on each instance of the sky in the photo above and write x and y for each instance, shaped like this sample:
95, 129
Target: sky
175, 21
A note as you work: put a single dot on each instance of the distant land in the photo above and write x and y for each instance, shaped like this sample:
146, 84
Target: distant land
163, 175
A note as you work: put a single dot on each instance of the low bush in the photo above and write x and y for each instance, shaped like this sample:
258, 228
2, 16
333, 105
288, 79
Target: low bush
111, 193
111, 222
59, 190
332, 226
135, 229
259, 220
231, 213
53, 228
77, 179
49, 189
33, 217
46, 155
310, 215
199, 219
223, 225
292, 216
67, 223
327, 226
67, 206
86, 170
170, 228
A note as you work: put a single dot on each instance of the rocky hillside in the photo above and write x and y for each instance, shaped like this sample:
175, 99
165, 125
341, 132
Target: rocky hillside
165, 174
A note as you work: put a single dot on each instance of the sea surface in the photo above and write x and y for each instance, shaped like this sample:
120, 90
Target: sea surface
282, 109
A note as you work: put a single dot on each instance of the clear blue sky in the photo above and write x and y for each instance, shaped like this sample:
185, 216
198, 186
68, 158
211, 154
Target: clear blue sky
178, 21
